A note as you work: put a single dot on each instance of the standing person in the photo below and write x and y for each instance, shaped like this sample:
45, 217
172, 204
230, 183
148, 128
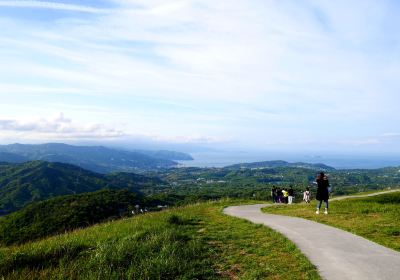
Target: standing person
290, 195
285, 196
279, 196
307, 195
322, 192
274, 194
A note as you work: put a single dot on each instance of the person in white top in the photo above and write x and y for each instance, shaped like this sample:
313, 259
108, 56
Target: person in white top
307, 195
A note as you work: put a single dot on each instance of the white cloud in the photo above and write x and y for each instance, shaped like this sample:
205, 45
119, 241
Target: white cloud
59, 127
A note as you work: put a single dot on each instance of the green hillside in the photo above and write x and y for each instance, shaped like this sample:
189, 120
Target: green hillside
23, 183
193, 242
64, 213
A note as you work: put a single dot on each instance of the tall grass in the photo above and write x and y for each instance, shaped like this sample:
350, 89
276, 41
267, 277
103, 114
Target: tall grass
146, 247
192, 242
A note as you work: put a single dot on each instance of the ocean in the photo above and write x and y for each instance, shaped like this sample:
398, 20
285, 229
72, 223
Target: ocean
221, 159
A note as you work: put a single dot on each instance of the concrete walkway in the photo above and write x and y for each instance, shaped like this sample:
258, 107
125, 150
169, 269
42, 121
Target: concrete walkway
338, 255
364, 195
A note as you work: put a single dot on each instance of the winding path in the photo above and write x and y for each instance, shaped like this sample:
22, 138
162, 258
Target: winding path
338, 255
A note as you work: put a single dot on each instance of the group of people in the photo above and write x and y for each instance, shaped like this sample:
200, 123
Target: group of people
283, 195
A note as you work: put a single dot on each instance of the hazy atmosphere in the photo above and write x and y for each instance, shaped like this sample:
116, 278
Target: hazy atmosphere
247, 75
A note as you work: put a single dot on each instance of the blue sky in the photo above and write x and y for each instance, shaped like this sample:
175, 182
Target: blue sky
270, 74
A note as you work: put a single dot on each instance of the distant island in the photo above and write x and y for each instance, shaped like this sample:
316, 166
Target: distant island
281, 163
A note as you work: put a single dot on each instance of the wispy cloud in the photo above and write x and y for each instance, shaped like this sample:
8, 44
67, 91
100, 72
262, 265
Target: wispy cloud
391, 135
51, 6
58, 127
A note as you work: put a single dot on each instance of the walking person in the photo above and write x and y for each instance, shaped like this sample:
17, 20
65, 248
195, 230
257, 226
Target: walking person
322, 192
307, 195
290, 195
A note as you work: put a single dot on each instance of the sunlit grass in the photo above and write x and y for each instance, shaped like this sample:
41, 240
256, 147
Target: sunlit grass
193, 242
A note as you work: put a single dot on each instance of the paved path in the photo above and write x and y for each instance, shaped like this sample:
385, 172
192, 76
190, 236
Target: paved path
363, 195
336, 253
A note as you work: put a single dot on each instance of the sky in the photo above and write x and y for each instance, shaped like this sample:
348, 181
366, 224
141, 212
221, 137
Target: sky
263, 74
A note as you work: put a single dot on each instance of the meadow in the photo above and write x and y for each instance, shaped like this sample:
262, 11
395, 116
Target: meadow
375, 218
191, 242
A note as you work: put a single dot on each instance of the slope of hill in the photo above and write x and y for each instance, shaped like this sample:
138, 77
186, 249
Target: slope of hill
65, 213
23, 183
95, 158
281, 163
193, 242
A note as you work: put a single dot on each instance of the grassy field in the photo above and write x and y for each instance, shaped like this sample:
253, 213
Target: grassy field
193, 242
375, 218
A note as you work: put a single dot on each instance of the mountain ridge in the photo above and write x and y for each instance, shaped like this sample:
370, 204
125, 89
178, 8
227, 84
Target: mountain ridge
99, 159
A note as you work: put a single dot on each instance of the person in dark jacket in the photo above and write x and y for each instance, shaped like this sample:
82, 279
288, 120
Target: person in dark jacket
279, 195
322, 192
274, 194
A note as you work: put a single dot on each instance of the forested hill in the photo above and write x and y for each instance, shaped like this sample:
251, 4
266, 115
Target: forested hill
23, 183
95, 158
65, 213
281, 163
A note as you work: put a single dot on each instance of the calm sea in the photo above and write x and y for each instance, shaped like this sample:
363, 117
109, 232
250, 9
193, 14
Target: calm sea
221, 159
